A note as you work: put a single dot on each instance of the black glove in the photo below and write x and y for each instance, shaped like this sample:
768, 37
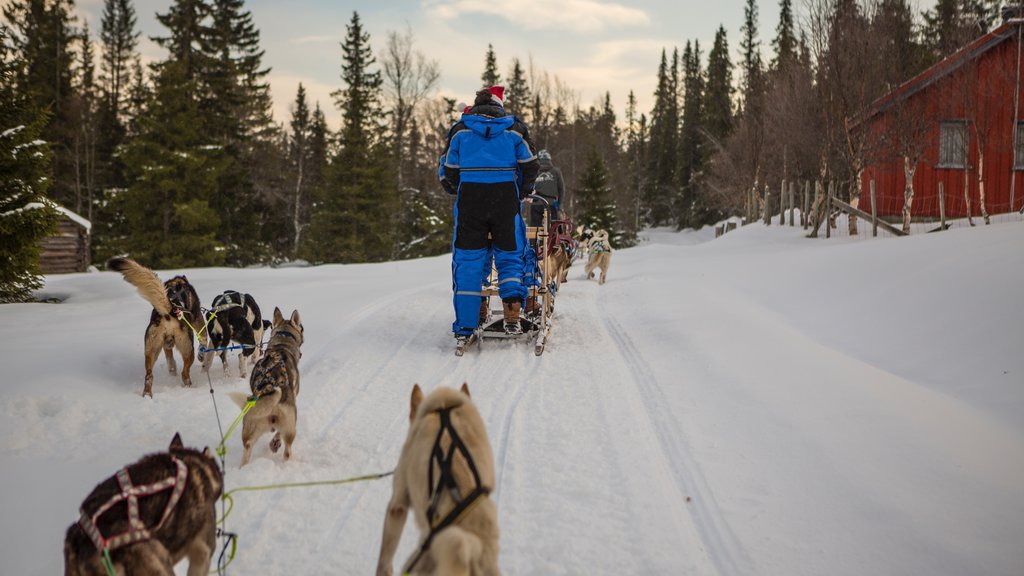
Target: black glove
448, 186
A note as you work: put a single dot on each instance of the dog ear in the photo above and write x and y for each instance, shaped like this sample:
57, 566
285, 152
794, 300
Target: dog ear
415, 400
278, 317
295, 319
465, 389
176, 443
206, 452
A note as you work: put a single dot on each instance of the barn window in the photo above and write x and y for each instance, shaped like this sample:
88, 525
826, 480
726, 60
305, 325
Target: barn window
952, 144
1018, 157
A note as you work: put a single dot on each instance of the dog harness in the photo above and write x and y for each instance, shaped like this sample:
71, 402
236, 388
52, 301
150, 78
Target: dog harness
137, 530
446, 482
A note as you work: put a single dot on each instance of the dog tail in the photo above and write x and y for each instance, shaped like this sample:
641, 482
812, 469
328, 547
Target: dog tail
263, 407
145, 280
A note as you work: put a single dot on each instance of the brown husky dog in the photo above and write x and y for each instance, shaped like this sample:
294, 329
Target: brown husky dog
275, 380
149, 516
174, 302
444, 474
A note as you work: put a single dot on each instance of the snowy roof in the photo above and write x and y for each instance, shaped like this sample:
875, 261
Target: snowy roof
84, 223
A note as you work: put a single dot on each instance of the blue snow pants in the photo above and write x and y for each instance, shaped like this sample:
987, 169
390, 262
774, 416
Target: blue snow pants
482, 209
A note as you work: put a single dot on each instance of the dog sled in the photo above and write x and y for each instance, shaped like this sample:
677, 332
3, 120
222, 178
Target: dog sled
535, 319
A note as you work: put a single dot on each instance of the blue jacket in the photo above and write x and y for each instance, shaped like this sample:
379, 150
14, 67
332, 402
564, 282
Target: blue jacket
486, 150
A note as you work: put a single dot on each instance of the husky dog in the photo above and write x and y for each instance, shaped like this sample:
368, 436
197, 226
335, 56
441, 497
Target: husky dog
234, 317
444, 475
175, 306
600, 250
149, 516
583, 235
275, 381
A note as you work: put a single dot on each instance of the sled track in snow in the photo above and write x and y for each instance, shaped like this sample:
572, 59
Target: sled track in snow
724, 550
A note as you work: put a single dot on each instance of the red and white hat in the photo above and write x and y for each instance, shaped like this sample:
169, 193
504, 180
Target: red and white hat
497, 94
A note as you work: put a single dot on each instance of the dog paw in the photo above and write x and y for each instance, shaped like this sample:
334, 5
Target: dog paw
186, 382
275, 444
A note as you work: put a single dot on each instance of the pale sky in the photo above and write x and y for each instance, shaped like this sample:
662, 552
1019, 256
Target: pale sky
591, 45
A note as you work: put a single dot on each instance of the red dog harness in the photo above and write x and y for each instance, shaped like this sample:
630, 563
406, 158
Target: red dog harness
137, 531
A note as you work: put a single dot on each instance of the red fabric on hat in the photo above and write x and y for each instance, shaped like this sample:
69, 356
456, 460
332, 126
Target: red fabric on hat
497, 94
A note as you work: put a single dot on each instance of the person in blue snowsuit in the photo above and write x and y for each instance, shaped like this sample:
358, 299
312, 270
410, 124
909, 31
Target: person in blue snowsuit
489, 166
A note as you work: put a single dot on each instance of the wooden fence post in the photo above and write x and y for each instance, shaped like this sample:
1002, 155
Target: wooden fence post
942, 207
766, 214
874, 211
730, 226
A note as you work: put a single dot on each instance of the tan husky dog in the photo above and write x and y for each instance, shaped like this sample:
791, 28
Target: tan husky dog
172, 496
175, 306
275, 380
444, 474
600, 250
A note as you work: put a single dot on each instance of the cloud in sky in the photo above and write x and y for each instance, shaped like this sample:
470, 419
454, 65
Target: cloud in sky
580, 16
592, 46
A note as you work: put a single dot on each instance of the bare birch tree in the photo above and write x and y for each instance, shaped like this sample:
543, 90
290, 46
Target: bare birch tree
409, 77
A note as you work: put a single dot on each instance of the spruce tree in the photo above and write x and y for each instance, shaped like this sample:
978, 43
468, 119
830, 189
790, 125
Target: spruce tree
595, 206
753, 68
718, 98
168, 218
44, 35
186, 45
234, 102
299, 159
26, 216
784, 43
120, 40
664, 144
490, 77
691, 150
517, 93
354, 219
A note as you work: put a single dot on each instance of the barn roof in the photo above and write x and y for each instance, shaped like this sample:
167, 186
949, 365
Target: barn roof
940, 70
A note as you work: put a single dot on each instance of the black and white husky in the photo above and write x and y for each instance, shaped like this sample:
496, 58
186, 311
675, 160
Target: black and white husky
233, 318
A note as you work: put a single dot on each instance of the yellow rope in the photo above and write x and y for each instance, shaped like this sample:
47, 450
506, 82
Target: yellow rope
222, 449
231, 501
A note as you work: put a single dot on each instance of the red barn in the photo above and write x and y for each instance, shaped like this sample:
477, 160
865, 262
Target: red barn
958, 123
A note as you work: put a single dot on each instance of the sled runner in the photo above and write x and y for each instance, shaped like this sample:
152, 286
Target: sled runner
536, 317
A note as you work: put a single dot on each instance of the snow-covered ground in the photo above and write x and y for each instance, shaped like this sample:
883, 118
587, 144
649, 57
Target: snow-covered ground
757, 404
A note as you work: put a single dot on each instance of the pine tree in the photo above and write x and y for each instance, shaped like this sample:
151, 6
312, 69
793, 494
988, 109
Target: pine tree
784, 43
664, 144
517, 93
168, 218
952, 24
718, 98
44, 37
691, 152
26, 216
490, 77
595, 206
753, 68
354, 219
236, 95
299, 159
120, 40
234, 102
186, 44
83, 142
